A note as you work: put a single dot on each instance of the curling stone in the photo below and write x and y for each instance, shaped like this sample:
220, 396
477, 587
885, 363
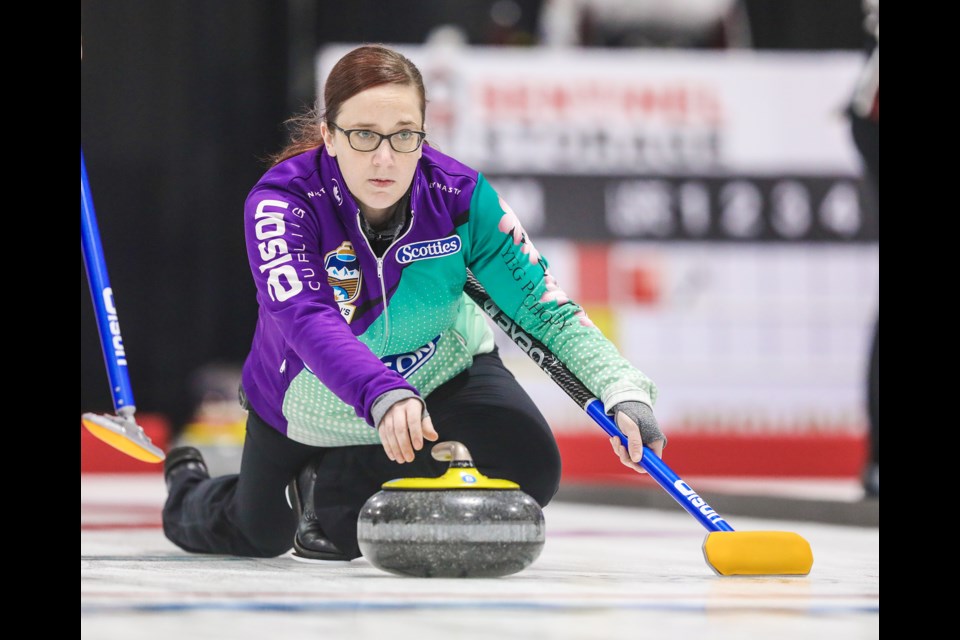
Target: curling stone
459, 525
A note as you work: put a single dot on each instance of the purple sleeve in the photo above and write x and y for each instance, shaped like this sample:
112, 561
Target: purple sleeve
282, 238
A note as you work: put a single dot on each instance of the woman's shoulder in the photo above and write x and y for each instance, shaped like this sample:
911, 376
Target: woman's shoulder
436, 161
297, 174
444, 176
445, 183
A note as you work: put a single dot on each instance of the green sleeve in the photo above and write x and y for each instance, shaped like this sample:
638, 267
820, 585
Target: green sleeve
517, 277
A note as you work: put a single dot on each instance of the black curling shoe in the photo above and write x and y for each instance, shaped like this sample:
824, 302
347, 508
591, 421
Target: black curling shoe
183, 460
310, 542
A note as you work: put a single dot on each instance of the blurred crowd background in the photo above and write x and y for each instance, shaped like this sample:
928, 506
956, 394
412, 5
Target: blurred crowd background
723, 226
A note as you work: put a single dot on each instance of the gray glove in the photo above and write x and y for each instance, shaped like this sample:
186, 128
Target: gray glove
389, 398
642, 416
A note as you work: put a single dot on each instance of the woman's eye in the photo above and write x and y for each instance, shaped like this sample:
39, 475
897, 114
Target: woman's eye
364, 135
404, 135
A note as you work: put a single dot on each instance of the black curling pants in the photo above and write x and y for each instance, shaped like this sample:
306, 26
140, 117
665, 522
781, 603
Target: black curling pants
247, 514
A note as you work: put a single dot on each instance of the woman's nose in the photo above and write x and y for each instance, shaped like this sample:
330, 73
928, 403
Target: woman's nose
383, 155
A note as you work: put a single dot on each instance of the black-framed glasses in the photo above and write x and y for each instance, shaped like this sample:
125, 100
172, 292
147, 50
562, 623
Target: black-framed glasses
403, 141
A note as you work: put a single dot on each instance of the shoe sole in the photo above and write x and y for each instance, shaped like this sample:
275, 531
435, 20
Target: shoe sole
299, 553
299, 558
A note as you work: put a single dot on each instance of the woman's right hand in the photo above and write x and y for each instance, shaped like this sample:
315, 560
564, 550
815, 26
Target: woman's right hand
404, 428
637, 422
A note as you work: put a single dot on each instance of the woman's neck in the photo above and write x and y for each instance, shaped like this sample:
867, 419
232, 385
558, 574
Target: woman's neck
387, 225
379, 218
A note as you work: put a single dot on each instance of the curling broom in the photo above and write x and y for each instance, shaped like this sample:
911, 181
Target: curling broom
120, 431
727, 552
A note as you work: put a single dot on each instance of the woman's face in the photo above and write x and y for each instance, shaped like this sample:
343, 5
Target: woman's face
377, 179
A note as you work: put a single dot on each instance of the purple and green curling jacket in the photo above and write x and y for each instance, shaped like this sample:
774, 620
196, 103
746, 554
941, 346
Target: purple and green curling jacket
338, 326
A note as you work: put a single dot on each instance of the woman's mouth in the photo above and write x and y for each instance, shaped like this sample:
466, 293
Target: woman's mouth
381, 182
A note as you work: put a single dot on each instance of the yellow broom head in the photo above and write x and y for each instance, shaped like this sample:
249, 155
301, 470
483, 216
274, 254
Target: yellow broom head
757, 553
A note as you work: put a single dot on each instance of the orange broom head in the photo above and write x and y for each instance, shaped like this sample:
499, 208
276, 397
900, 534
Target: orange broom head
126, 436
757, 553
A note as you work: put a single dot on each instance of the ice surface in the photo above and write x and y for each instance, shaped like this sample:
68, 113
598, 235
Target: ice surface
605, 572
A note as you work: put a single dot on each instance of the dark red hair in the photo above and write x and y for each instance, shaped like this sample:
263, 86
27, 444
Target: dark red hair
363, 68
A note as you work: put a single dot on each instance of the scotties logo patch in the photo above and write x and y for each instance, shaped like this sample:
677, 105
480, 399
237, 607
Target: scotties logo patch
429, 249
343, 275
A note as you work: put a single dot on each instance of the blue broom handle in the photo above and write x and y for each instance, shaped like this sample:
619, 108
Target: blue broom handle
107, 322
663, 475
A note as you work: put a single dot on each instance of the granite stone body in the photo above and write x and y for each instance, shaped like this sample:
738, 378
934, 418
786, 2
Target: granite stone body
451, 533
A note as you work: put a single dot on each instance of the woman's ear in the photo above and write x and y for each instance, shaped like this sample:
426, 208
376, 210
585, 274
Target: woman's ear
327, 135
